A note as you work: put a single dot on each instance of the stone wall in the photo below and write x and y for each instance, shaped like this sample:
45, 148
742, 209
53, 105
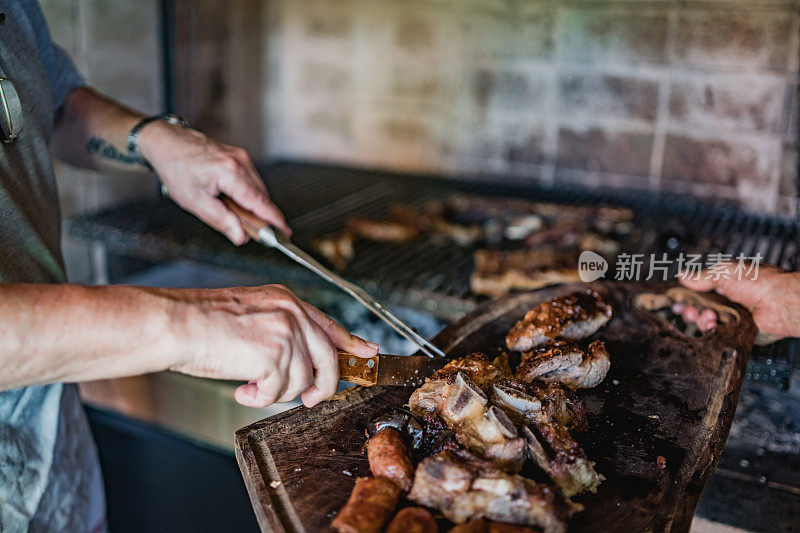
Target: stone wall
689, 96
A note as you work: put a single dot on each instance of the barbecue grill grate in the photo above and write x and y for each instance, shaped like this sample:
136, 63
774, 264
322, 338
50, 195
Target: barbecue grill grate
427, 274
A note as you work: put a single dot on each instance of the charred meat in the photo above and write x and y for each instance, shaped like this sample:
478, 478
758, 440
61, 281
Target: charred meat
589, 373
545, 429
563, 362
390, 457
547, 358
561, 404
465, 488
476, 367
413, 520
570, 317
479, 426
398, 419
369, 508
557, 453
455, 393
382, 230
337, 248
498, 272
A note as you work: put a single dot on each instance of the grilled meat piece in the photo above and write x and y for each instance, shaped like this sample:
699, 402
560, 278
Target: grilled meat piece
425, 399
500, 527
570, 317
413, 520
557, 453
464, 488
475, 526
382, 230
561, 404
477, 367
551, 357
566, 363
436, 437
519, 399
337, 248
390, 457
498, 272
370, 506
464, 407
589, 373
482, 526
399, 419
549, 442
480, 427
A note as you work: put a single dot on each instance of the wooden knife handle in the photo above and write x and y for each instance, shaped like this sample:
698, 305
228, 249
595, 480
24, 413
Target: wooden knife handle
358, 370
250, 222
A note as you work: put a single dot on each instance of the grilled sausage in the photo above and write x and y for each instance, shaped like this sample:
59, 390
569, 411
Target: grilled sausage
502, 527
475, 526
389, 456
370, 505
482, 526
413, 520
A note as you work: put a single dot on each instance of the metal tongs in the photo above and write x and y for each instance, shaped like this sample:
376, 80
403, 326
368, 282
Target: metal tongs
262, 232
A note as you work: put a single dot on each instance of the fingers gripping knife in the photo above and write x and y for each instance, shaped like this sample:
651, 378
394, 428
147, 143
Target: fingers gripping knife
266, 235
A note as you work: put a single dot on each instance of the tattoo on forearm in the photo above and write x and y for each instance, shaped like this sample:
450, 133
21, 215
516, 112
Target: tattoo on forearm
106, 150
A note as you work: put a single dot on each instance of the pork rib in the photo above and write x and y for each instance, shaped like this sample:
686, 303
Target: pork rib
570, 317
465, 488
563, 362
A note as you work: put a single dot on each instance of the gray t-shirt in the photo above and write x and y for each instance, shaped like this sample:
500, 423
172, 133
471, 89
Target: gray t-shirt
49, 475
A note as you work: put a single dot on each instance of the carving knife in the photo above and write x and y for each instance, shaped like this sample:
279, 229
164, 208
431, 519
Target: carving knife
262, 232
383, 369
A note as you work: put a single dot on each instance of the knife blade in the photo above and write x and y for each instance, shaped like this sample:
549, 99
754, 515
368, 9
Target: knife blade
385, 369
262, 232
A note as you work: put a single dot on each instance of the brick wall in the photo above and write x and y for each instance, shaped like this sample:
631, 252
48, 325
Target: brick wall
115, 44
690, 96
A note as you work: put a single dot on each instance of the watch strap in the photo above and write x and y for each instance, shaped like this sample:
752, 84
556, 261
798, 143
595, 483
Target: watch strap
133, 136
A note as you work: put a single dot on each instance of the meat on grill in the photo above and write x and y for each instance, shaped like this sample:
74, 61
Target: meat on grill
337, 248
465, 488
498, 272
570, 317
390, 457
413, 520
563, 362
382, 230
370, 506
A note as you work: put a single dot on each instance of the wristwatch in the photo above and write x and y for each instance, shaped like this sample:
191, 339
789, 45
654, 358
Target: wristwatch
133, 136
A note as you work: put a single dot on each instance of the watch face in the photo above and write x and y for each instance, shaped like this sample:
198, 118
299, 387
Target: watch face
10, 111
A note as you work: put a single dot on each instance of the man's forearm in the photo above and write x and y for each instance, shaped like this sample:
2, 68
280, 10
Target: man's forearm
91, 131
52, 333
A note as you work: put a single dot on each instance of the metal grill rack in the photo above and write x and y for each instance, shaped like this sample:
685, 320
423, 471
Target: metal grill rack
427, 274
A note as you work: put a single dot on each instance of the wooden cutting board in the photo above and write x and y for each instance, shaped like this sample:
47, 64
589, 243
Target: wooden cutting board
667, 394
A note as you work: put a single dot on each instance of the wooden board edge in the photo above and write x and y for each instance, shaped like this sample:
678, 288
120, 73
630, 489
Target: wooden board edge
254, 483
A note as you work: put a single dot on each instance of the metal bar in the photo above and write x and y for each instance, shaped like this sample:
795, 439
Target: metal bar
274, 240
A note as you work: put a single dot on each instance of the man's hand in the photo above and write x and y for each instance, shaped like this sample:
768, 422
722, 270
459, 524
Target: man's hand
91, 130
283, 346
773, 298
196, 169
